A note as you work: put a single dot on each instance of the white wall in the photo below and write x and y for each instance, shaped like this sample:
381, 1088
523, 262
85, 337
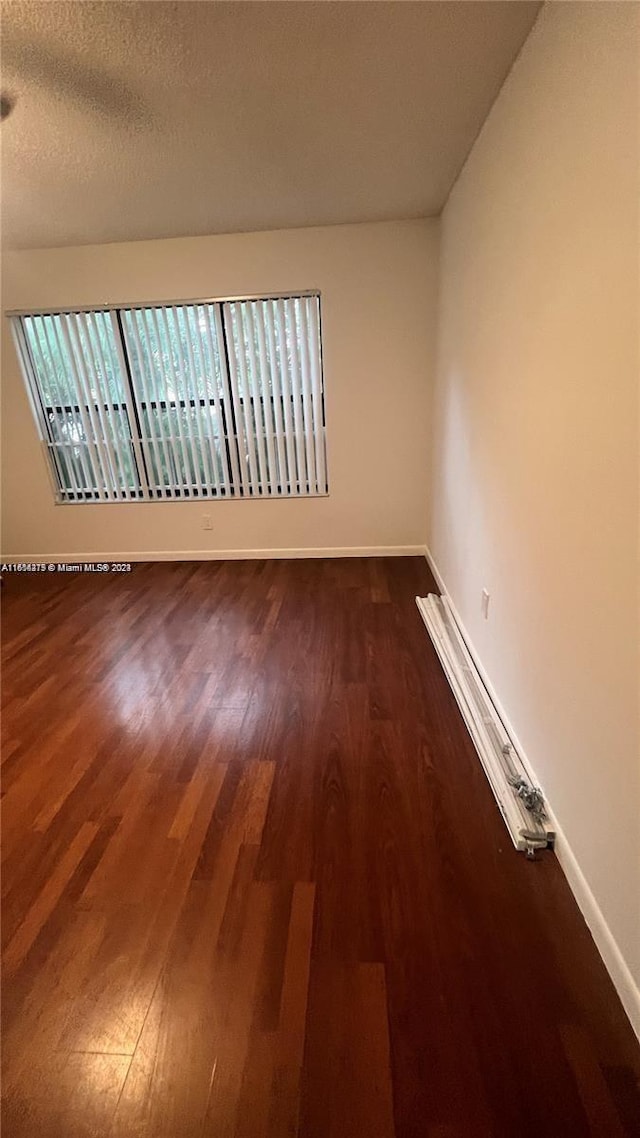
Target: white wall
377, 281
535, 491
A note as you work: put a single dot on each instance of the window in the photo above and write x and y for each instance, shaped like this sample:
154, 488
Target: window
183, 401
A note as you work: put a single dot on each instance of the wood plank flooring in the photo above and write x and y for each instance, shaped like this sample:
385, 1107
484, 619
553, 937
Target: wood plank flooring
256, 886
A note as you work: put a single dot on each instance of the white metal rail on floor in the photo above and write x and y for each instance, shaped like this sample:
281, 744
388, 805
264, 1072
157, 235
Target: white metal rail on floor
521, 804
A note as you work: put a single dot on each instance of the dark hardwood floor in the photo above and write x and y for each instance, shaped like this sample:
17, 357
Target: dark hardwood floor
255, 883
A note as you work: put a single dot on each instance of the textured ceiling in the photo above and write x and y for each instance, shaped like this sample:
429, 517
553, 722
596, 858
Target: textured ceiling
137, 120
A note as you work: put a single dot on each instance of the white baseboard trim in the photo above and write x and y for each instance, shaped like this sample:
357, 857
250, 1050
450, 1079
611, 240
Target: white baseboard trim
214, 555
605, 942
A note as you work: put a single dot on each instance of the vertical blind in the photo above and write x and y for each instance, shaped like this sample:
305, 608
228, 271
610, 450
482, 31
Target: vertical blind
180, 401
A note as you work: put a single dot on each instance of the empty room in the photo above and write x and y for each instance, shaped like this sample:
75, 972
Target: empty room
320, 569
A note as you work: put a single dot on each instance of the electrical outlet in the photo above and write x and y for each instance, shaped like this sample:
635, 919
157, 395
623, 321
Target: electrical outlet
486, 597
206, 521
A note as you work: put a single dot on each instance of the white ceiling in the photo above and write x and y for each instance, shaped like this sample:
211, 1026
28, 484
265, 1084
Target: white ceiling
136, 120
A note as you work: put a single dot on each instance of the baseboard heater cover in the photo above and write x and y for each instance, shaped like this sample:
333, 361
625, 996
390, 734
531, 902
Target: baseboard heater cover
520, 803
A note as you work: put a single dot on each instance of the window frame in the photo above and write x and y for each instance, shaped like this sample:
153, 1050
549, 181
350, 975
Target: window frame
135, 400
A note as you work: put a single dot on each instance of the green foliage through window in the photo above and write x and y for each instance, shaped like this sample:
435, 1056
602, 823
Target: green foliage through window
180, 401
